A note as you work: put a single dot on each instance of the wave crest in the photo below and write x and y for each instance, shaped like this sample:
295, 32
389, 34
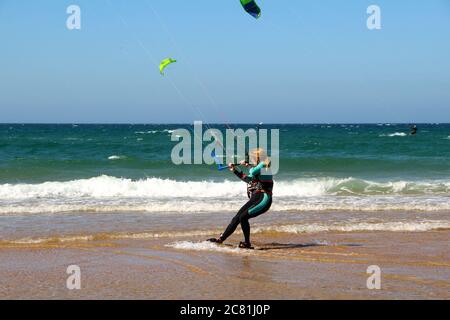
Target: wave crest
110, 194
156, 188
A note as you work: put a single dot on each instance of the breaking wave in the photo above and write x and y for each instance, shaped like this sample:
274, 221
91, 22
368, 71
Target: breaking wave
154, 188
111, 194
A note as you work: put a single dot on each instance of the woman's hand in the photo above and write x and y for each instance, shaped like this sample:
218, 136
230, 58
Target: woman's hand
243, 163
231, 166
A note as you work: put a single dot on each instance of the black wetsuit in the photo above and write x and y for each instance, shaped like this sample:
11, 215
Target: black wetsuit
259, 190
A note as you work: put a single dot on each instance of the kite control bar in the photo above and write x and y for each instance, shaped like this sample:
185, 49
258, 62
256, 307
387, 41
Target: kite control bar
221, 167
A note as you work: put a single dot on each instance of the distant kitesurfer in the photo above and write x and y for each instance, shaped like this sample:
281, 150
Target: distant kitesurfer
413, 130
259, 191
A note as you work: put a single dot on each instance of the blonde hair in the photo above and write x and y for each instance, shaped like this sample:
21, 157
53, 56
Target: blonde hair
259, 155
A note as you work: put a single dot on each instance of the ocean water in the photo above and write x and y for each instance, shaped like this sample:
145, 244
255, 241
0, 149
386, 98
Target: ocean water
119, 180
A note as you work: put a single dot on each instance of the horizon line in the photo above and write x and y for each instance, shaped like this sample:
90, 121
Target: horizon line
220, 123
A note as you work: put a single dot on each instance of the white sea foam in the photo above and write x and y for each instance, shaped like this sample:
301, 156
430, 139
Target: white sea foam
111, 187
110, 194
206, 246
396, 226
147, 132
156, 188
115, 157
395, 134
200, 206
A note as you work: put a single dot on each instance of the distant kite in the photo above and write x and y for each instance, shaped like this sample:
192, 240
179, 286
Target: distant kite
164, 64
252, 8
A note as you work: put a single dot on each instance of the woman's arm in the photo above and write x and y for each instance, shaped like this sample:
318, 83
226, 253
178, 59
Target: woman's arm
240, 174
256, 170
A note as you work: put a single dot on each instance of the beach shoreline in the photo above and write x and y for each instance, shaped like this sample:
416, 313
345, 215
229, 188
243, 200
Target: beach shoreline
326, 265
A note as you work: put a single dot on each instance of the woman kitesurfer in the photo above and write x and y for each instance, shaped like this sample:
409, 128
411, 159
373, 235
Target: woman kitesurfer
259, 191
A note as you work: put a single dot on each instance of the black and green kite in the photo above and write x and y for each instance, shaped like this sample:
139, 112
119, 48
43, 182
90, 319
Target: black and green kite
252, 8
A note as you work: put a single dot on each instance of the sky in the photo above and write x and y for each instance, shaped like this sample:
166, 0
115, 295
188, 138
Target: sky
301, 62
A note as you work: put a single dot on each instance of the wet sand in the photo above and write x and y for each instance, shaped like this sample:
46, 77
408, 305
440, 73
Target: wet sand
329, 265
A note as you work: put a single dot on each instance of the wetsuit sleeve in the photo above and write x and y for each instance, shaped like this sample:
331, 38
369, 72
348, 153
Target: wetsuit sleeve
256, 170
242, 176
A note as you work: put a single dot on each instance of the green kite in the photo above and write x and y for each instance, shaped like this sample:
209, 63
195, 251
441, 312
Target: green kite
164, 64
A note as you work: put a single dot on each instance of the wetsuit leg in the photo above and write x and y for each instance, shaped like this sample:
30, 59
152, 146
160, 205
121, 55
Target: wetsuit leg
258, 204
263, 205
237, 219
245, 225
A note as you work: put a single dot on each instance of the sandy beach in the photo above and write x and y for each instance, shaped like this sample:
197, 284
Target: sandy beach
328, 265
137, 137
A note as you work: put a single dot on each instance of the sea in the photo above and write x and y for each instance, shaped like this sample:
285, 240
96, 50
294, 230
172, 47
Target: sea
85, 182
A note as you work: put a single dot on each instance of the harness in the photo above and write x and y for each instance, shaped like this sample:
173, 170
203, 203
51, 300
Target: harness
256, 186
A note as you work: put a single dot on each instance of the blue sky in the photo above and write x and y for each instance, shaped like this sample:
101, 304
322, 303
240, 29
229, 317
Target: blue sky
302, 62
